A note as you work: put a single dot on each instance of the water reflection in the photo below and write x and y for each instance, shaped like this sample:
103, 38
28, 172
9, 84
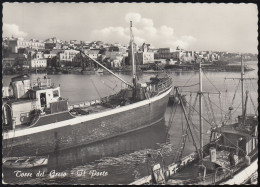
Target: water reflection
143, 139
89, 157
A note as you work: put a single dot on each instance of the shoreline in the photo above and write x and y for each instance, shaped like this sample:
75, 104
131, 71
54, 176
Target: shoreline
170, 68
167, 70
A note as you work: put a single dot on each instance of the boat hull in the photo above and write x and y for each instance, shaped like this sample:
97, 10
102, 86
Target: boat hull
86, 129
36, 162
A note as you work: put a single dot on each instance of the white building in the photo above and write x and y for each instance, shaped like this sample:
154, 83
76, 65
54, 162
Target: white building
145, 57
68, 55
37, 60
16, 44
38, 63
49, 55
117, 62
92, 53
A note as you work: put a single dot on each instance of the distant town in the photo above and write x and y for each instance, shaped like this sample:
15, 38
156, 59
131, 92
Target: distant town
56, 56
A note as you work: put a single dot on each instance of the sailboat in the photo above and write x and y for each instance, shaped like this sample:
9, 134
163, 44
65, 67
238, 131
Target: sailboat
230, 157
36, 120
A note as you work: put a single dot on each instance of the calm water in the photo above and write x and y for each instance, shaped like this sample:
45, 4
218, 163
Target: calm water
123, 159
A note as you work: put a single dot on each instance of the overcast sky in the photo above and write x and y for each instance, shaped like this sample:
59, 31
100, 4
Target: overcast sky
222, 27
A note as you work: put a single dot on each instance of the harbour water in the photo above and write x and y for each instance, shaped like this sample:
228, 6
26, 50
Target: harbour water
122, 159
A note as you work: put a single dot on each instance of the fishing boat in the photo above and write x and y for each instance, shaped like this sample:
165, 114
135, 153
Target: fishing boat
37, 120
230, 157
25, 162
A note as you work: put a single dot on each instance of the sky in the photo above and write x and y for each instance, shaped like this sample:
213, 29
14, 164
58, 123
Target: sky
212, 27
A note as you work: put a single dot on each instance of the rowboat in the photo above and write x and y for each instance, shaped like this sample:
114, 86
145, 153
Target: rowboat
25, 162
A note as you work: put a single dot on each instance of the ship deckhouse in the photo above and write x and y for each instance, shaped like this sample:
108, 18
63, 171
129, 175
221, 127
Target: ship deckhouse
241, 136
28, 97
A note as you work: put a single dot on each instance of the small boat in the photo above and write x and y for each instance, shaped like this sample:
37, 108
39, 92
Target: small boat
100, 70
25, 162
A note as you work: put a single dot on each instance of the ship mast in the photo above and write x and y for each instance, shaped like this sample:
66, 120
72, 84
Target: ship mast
242, 84
200, 111
132, 57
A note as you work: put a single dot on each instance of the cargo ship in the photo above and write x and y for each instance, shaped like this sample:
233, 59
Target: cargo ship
36, 120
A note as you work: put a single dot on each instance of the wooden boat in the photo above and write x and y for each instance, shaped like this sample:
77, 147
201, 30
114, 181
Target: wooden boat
25, 162
230, 157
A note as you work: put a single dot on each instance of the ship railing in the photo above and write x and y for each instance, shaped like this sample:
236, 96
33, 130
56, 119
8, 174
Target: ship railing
164, 85
212, 178
221, 174
225, 148
41, 83
251, 155
185, 161
86, 104
92, 102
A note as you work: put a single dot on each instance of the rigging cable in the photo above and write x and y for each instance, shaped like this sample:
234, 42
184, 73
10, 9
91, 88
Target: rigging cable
189, 85
220, 106
201, 116
210, 104
207, 108
235, 93
115, 83
96, 88
255, 91
187, 81
210, 82
190, 116
250, 79
108, 85
168, 128
225, 96
254, 108
194, 103
170, 122
190, 102
237, 108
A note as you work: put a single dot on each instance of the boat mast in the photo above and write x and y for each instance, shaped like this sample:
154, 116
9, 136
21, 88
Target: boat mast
132, 54
242, 84
200, 111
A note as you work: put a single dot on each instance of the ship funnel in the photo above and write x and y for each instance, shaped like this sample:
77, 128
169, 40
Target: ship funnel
21, 84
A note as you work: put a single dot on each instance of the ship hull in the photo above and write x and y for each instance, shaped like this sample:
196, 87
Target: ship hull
85, 129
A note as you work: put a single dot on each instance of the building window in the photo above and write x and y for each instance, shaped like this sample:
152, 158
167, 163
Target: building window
55, 93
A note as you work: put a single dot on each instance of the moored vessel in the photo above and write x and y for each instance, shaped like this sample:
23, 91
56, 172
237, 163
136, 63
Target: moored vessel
230, 157
25, 162
37, 120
